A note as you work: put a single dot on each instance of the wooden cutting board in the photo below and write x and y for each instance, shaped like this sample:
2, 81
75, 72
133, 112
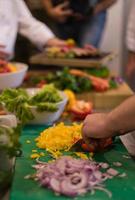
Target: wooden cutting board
22, 189
101, 100
42, 59
109, 99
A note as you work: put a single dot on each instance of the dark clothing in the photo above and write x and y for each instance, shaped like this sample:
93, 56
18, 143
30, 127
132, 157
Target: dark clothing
85, 31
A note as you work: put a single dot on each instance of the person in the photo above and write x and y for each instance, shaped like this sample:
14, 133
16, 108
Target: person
15, 17
130, 41
118, 122
81, 21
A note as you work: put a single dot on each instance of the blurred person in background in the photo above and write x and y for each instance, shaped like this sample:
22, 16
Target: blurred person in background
15, 17
130, 70
84, 21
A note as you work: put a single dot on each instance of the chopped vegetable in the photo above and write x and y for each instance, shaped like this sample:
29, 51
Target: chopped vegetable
28, 141
81, 109
82, 155
59, 138
35, 155
71, 177
7, 68
112, 172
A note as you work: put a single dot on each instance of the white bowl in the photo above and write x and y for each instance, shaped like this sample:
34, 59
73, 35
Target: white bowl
13, 79
47, 117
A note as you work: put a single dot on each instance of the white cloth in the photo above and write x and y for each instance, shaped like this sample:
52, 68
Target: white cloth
129, 142
15, 17
130, 39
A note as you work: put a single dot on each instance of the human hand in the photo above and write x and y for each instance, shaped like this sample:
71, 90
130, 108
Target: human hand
97, 132
97, 126
61, 12
56, 42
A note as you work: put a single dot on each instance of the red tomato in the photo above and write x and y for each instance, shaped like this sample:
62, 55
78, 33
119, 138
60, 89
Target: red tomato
97, 145
41, 84
87, 148
81, 109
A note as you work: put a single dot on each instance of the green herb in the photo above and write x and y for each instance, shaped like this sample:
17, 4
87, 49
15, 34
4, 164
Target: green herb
64, 80
48, 94
113, 84
47, 106
102, 72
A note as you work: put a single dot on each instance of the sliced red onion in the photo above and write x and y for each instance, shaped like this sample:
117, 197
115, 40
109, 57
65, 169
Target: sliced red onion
67, 190
123, 175
55, 185
112, 172
105, 190
117, 164
104, 165
71, 177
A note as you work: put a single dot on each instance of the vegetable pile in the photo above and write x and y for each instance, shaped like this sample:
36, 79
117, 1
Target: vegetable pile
59, 138
78, 81
7, 67
72, 177
70, 50
18, 101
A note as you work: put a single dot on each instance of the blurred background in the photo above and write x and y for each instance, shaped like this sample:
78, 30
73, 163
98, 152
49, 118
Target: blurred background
113, 37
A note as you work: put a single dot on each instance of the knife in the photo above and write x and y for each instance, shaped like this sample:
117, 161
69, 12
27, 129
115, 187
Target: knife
94, 145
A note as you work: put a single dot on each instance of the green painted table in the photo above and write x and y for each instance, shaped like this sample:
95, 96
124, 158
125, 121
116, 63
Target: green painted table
22, 189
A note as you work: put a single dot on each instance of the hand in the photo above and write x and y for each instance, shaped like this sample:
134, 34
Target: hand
96, 126
3, 54
61, 12
56, 42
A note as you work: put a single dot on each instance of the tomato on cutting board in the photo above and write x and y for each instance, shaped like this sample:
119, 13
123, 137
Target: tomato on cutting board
81, 109
97, 145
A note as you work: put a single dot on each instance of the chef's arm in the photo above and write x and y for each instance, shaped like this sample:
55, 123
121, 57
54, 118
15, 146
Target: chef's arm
31, 28
122, 119
103, 5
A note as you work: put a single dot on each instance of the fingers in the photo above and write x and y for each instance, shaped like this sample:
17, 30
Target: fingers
56, 42
64, 5
67, 13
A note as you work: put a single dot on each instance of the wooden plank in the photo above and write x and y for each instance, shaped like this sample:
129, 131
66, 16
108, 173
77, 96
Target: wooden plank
76, 62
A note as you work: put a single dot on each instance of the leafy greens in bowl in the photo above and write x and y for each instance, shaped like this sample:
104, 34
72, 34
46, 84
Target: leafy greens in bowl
39, 106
